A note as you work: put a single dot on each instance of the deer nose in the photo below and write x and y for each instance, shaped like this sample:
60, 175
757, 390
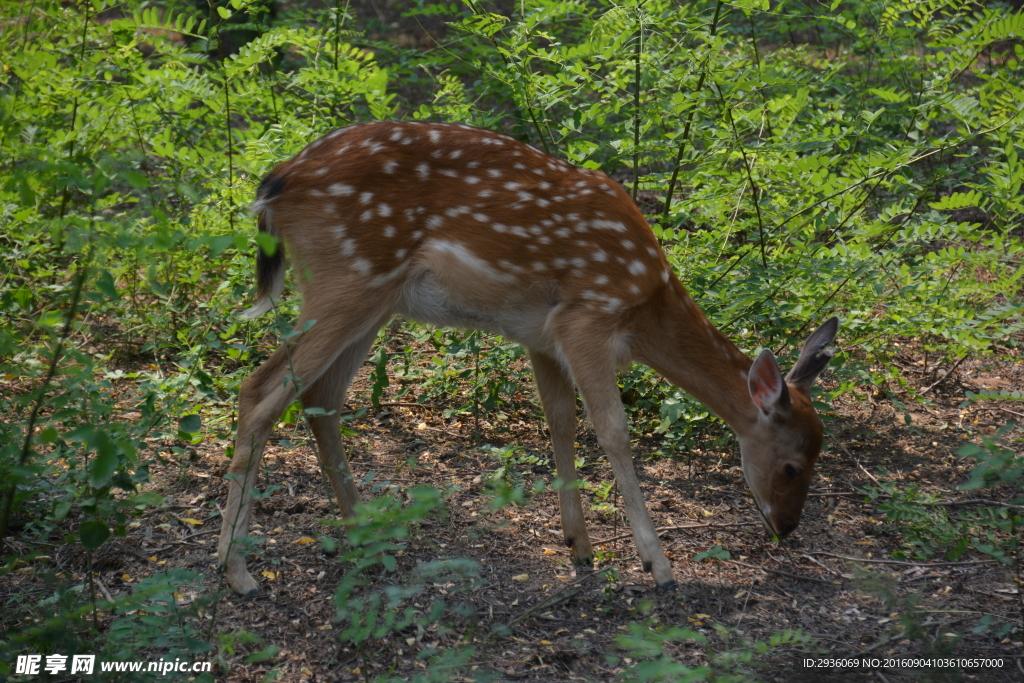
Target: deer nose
784, 527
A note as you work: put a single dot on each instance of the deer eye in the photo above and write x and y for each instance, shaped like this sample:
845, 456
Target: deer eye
792, 471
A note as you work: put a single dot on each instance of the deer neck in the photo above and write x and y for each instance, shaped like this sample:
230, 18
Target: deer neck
684, 347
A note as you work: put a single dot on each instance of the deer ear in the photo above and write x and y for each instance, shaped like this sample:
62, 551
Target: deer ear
767, 388
815, 356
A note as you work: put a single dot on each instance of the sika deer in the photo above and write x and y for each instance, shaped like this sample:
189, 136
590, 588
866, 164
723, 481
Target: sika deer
462, 227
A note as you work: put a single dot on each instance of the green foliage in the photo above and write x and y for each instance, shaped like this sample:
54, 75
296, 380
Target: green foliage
371, 616
163, 612
929, 528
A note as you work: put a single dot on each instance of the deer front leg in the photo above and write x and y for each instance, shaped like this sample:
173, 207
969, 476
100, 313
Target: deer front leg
595, 375
558, 397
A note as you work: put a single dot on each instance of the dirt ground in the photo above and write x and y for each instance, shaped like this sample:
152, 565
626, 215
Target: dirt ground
564, 627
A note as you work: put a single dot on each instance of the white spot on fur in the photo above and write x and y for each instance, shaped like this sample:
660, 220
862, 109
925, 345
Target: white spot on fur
389, 231
601, 224
365, 197
467, 258
435, 135
341, 189
361, 265
423, 171
384, 210
390, 166
434, 222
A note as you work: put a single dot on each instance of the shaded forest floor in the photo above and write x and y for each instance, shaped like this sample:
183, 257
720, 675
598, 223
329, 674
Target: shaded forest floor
565, 627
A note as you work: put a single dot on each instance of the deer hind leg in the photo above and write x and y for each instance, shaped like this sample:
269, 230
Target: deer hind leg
593, 366
328, 393
558, 396
263, 397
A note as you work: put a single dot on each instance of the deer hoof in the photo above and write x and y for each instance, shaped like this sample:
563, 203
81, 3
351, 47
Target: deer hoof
243, 583
667, 586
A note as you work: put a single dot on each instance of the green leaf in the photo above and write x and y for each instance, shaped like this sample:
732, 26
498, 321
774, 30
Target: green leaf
93, 533
716, 553
224, 13
958, 200
190, 424
266, 242
103, 465
105, 283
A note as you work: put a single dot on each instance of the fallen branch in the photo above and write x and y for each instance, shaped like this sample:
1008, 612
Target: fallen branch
676, 528
567, 593
944, 377
904, 563
799, 577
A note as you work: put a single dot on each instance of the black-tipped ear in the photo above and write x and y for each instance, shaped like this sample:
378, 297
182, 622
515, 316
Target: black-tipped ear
815, 355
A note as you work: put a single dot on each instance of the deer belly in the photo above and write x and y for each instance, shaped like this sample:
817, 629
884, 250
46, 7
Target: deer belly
438, 301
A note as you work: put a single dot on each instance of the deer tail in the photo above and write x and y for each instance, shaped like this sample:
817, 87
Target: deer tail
269, 267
